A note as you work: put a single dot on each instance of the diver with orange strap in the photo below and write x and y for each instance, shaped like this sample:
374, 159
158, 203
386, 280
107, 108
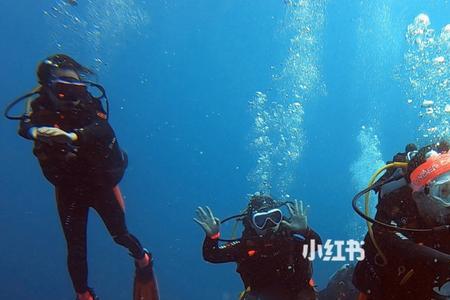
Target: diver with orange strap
408, 245
79, 154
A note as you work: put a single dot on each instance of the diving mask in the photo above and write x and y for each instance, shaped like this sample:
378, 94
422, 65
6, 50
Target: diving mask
439, 189
69, 89
271, 218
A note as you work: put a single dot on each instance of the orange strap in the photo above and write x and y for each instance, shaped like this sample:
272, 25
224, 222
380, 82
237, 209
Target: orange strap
362, 296
119, 198
433, 167
216, 236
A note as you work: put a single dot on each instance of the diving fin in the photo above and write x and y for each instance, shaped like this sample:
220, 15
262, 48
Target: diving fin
145, 286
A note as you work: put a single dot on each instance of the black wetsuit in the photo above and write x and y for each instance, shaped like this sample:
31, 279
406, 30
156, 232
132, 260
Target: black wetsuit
271, 268
416, 262
340, 286
85, 174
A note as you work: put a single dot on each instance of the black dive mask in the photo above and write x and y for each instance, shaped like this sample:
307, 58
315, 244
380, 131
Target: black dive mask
65, 93
69, 89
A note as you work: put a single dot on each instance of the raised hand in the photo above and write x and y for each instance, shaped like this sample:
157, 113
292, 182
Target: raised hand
299, 220
206, 219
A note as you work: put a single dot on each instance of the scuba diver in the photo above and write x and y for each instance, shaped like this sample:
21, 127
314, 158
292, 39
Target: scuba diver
79, 154
269, 253
407, 247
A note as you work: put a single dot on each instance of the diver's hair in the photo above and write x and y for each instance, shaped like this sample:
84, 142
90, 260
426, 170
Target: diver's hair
60, 61
258, 202
410, 147
421, 156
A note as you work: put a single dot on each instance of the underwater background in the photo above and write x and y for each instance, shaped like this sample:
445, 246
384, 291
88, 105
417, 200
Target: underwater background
213, 101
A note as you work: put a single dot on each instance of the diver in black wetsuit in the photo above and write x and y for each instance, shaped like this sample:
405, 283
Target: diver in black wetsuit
79, 154
269, 253
413, 263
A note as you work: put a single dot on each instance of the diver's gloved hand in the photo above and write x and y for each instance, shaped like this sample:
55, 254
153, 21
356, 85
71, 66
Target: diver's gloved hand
52, 135
209, 223
299, 220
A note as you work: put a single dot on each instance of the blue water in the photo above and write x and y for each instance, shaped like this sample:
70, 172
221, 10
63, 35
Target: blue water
180, 76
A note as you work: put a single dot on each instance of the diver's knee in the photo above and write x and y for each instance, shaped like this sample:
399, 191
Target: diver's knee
76, 251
